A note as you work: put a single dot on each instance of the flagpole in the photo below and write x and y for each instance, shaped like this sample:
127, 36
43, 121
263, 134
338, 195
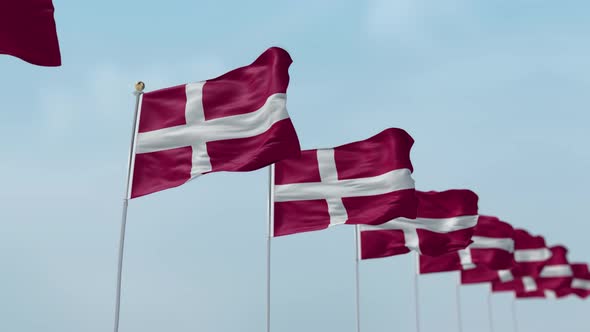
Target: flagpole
271, 169
514, 320
490, 312
458, 302
358, 293
139, 86
416, 293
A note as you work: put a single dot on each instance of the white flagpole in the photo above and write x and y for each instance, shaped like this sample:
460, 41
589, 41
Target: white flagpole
416, 293
490, 312
271, 176
514, 320
139, 86
458, 298
358, 293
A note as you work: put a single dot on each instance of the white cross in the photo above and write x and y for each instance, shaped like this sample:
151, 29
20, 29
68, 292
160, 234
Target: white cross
332, 189
505, 275
410, 227
529, 284
550, 294
532, 255
197, 131
525, 256
556, 271
465, 259
483, 242
581, 284
329, 174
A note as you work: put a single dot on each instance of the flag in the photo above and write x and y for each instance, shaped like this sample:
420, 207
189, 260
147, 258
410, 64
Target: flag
445, 223
530, 254
237, 122
580, 285
492, 248
27, 31
365, 182
556, 273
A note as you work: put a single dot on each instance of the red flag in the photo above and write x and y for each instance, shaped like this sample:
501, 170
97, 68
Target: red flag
580, 285
237, 122
444, 223
556, 273
530, 254
492, 247
27, 31
365, 182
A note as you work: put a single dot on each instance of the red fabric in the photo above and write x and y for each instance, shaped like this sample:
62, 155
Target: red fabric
581, 272
246, 89
252, 153
28, 32
378, 209
435, 205
311, 216
384, 152
478, 275
380, 154
240, 91
383, 243
148, 176
289, 170
446, 204
491, 258
558, 257
436, 244
522, 241
162, 109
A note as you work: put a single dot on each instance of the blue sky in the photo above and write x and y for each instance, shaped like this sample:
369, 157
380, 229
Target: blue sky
494, 93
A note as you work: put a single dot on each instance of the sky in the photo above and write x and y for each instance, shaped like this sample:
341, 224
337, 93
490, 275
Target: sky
495, 94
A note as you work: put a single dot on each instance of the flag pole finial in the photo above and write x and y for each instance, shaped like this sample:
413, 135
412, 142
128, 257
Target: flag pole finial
139, 86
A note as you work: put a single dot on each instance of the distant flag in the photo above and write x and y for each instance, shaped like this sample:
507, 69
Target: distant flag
580, 285
530, 254
365, 182
445, 223
27, 31
492, 248
556, 273
237, 122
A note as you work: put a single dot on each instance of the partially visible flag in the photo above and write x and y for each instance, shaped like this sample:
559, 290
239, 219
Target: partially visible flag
580, 285
555, 274
444, 223
530, 254
492, 248
365, 182
237, 122
27, 31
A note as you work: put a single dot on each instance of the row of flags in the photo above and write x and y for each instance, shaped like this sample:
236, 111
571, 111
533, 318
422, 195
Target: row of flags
239, 122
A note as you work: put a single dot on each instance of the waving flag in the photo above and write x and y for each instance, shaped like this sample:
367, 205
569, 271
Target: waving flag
530, 254
237, 122
561, 284
555, 274
27, 31
580, 285
492, 248
445, 223
365, 182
